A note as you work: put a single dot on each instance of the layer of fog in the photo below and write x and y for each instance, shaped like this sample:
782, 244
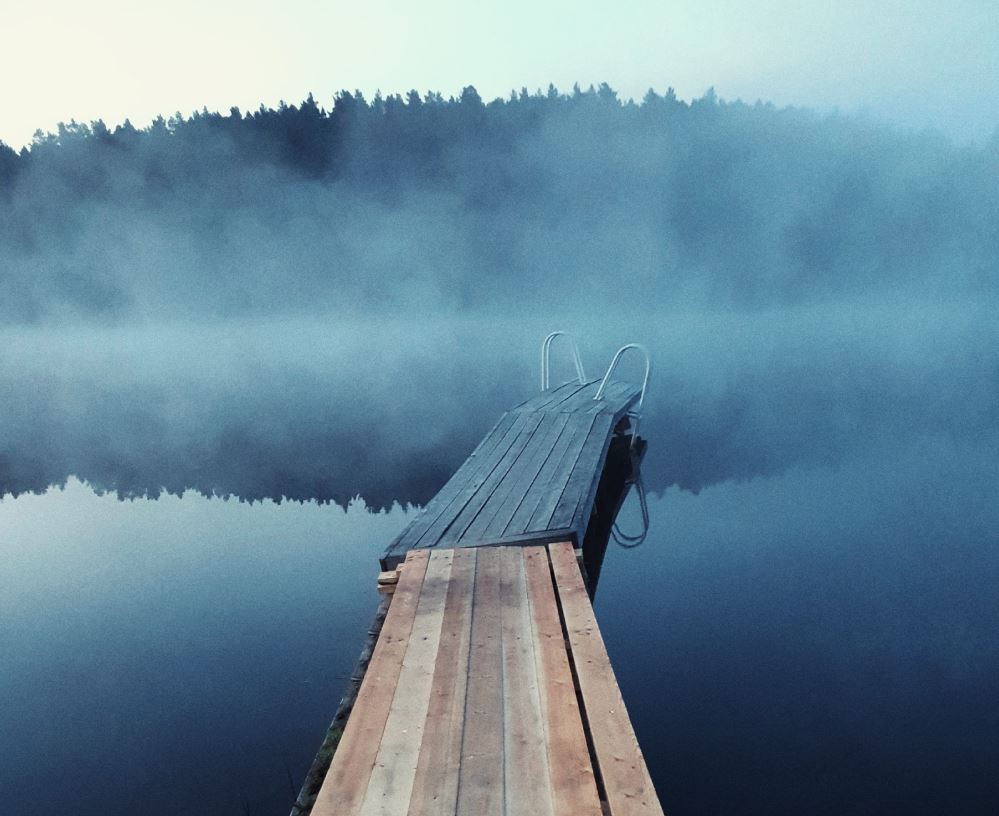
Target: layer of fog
316, 305
307, 408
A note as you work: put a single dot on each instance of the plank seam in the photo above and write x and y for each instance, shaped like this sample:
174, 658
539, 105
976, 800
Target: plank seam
502, 679
587, 733
482, 471
446, 536
534, 480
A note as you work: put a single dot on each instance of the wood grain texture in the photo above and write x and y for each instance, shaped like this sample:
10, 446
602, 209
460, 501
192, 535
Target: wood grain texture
391, 782
547, 483
586, 472
489, 693
554, 397
463, 484
435, 787
519, 481
488, 486
347, 779
512, 480
626, 780
524, 476
573, 789
504, 512
527, 780
481, 775
542, 517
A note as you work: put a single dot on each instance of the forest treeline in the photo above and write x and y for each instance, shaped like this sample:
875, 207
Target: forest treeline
459, 203
278, 303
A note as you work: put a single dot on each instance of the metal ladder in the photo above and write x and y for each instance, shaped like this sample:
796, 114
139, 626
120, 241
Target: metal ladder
546, 347
635, 414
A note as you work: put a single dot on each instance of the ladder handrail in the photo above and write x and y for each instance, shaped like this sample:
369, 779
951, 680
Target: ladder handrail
546, 346
613, 365
636, 412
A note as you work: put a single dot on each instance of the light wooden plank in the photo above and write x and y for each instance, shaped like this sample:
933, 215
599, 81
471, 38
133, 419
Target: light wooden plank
626, 780
391, 781
528, 776
435, 788
480, 778
574, 791
347, 779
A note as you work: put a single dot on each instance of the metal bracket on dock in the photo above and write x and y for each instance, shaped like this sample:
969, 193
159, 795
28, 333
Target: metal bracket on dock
636, 412
546, 353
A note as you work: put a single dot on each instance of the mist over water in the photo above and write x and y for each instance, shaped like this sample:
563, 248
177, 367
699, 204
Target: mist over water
221, 303
327, 409
304, 305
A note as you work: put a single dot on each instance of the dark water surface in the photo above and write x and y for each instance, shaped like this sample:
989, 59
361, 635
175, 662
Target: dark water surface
823, 641
179, 656
310, 307
810, 627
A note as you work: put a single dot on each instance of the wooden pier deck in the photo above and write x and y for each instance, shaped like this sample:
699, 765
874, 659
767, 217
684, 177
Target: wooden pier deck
533, 478
489, 693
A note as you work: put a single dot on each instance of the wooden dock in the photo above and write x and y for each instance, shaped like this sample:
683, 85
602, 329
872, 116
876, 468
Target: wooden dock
533, 478
489, 693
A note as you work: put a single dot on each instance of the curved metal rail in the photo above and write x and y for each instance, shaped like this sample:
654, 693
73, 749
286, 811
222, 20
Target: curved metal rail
546, 354
636, 412
629, 541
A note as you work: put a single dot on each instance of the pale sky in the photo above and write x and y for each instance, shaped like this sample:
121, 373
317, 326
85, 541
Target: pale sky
916, 63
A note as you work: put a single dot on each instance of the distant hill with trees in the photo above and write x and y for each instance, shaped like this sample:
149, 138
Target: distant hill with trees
460, 203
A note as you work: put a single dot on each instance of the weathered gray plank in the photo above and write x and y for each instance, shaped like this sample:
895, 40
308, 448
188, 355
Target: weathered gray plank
435, 788
527, 474
581, 399
481, 495
495, 515
616, 399
554, 396
541, 518
479, 458
521, 518
586, 470
481, 771
496, 459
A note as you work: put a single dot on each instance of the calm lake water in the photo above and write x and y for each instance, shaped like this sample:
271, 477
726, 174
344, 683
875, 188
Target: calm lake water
810, 626
820, 641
